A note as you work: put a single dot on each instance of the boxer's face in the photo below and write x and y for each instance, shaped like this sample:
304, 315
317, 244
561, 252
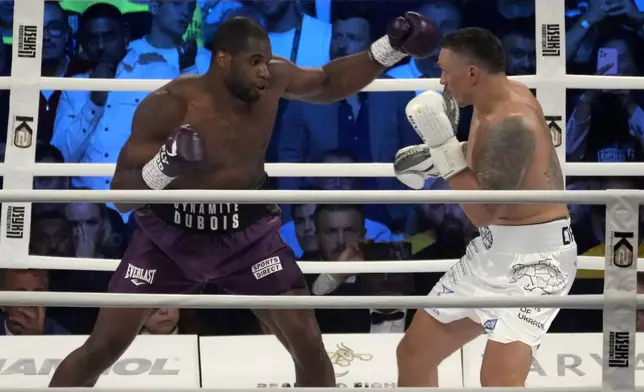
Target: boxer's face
247, 72
338, 229
458, 75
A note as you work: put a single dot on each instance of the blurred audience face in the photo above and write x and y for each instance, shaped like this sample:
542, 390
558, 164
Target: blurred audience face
349, 37
338, 229
520, 54
103, 40
86, 220
173, 17
56, 33
626, 64
273, 10
337, 183
304, 221
448, 18
515, 9
25, 320
52, 237
162, 322
448, 220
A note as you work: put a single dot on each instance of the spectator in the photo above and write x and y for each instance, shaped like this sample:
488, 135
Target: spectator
46, 153
92, 126
51, 235
299, 234
27, 320
341, 237
93, 234
599, 17
295, 36
164, 321
520, 51
55, 62
170, 20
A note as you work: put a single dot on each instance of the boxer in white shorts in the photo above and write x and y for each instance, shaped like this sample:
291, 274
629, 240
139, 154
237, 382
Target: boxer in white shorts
524, 249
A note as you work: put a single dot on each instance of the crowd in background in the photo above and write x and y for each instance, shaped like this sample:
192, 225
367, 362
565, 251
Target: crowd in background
126, 39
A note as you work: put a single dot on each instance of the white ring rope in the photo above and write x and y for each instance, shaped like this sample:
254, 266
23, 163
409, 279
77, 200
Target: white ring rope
308, 267
487, 389
583, 82
203, 301
308, 197
575, 169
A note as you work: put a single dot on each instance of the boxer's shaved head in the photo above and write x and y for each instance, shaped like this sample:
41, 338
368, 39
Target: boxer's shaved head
241, 51
233, 36
480, 46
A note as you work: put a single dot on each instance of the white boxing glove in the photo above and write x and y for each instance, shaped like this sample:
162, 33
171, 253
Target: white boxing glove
434, 116
413, 165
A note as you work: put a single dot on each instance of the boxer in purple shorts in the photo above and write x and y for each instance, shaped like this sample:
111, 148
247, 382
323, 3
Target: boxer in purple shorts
211, 132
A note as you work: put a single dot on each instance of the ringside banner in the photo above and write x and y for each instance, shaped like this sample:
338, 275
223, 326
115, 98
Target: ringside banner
563, 360
359, 360
170, 361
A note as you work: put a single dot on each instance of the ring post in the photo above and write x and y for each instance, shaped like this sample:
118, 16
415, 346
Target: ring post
620, 295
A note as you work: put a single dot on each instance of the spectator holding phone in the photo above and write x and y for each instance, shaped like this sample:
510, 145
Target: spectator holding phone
619, 111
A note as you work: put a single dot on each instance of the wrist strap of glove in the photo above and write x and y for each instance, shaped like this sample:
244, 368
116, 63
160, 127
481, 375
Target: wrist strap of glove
153, 175
384, 53
449, 158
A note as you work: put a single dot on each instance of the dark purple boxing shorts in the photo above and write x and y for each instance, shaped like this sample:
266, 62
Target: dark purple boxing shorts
178, 248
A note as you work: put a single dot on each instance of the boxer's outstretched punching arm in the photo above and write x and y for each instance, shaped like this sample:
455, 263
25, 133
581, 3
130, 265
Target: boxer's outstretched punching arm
155, 118
411, 34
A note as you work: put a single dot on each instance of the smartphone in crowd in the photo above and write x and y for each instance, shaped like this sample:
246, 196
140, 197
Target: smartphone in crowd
607, 57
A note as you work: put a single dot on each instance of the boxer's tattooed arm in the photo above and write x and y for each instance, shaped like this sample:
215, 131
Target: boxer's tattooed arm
335, 81
507, 152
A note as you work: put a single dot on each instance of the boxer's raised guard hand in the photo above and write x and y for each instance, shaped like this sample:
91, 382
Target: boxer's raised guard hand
435, 118
184, 151
411, 34
413, 165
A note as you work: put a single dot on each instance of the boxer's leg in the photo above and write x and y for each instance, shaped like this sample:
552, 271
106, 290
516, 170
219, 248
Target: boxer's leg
427, 342
269, 268
514, 358
113, 333
144, 269
302, 337
436, 333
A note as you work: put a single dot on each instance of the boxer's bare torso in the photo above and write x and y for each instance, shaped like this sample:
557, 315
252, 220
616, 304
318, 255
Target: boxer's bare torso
544, 173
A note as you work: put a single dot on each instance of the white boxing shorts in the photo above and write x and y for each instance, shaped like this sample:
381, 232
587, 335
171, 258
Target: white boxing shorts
527, 261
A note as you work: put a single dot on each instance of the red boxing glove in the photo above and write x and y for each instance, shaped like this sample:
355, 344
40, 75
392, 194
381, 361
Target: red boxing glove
411, 34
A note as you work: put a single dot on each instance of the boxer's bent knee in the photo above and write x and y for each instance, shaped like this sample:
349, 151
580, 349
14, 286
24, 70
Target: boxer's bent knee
428, 341
514, 358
